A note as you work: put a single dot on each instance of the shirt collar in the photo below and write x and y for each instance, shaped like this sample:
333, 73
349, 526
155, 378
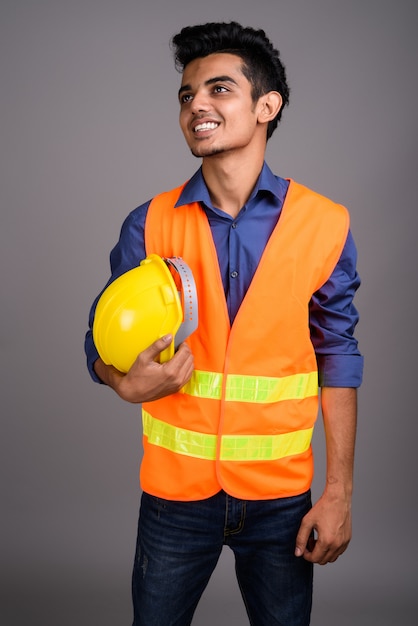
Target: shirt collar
196, 190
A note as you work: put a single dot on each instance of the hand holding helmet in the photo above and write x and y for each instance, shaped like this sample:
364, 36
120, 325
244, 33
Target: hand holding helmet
147, 379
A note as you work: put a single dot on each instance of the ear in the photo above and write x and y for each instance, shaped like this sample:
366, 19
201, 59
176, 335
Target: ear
268, 106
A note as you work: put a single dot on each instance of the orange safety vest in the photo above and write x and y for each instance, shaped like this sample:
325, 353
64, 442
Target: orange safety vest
244, 421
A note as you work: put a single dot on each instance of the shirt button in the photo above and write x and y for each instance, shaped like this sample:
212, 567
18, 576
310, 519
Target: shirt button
234, 274
234, 224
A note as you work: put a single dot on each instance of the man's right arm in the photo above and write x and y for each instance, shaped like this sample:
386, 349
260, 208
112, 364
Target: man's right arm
148, 379
127, 254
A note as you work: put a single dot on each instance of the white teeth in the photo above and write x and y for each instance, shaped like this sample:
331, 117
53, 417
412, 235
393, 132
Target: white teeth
206, 126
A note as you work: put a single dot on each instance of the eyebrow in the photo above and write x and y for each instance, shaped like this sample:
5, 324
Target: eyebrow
210, 81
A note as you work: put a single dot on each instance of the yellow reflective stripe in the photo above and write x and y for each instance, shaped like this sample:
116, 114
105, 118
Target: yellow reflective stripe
264, 447
204, 385
263, 389
258, 389
233, 447
179, 440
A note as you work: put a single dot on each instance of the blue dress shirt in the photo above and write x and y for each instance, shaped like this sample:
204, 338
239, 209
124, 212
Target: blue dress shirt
239, 243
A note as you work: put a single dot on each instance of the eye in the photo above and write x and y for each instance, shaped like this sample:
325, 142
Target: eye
220, 89
185, 98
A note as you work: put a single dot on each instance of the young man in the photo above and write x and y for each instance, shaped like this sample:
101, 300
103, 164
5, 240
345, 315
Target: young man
274, 265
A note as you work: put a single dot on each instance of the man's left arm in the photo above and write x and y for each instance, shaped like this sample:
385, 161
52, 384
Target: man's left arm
325, 531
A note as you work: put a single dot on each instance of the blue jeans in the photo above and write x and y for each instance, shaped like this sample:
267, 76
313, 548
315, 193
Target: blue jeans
179, 544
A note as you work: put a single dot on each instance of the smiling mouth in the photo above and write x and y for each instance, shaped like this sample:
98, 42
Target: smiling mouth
205, 126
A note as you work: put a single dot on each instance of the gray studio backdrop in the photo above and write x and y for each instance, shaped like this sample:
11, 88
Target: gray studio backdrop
89, 131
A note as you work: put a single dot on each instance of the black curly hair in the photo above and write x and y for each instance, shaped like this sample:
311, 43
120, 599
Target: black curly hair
261, 61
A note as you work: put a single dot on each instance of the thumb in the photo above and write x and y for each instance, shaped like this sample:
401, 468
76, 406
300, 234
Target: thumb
302, 538
157, 347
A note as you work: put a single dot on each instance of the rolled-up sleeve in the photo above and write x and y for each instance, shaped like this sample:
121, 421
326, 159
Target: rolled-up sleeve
333, 318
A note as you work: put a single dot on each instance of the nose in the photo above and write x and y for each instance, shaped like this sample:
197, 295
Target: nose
200, 102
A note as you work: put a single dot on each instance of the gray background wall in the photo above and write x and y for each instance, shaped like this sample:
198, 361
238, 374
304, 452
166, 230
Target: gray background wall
89, 131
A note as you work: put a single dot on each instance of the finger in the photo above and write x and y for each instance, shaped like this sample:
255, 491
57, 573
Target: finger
324, 553
150, 353
318, 555
182, 363
183, 356
303, 536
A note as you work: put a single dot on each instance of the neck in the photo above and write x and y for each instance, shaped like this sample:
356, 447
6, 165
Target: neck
231, 181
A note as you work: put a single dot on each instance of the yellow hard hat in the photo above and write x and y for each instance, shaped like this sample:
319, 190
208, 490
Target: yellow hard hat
141, 306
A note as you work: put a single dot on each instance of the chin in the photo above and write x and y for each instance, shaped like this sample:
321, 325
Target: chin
207, 152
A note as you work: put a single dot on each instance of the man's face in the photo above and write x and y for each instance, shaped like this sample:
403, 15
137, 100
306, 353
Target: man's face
217, 113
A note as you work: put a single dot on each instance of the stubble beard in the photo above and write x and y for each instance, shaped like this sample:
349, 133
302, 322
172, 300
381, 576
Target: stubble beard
209, 151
